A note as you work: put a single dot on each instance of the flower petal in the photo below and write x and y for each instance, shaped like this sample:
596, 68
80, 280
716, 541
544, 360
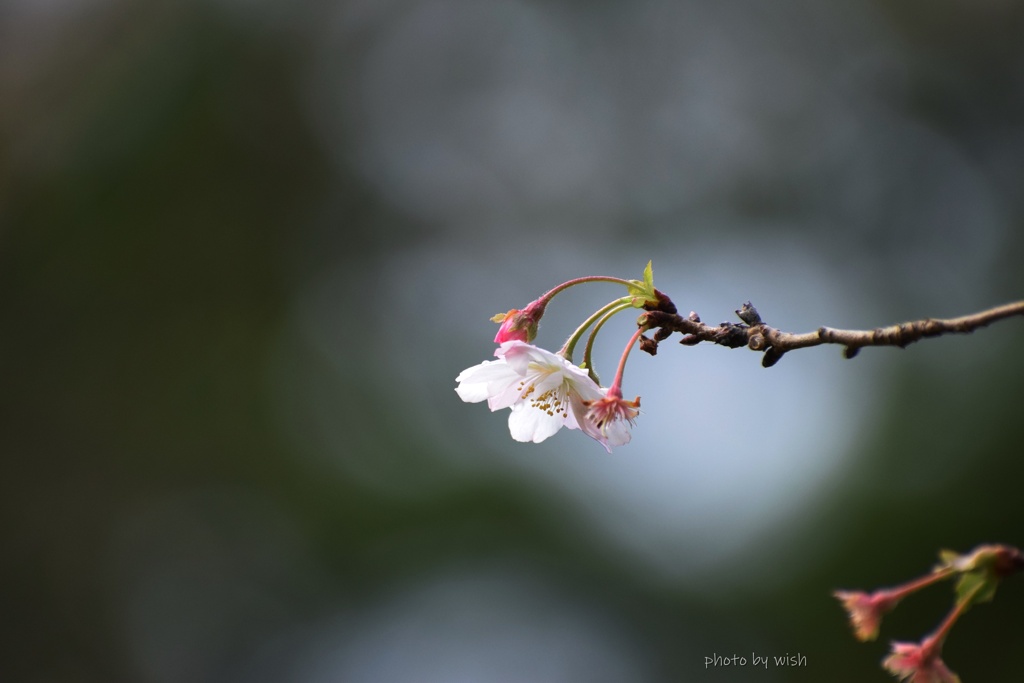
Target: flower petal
617, 433
919, 663
519, 355
527, 423
485, 380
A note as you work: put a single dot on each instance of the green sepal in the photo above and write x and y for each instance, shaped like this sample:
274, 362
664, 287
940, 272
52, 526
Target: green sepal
976, 587
979, 575
643, 292
947, 558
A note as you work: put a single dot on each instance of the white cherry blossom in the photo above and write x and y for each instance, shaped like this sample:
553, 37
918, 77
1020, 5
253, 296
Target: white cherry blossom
544, 390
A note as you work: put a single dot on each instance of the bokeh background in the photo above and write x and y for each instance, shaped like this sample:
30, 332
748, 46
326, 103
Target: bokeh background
246, 246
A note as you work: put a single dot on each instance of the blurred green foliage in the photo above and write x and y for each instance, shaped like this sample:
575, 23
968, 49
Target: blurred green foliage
163, 200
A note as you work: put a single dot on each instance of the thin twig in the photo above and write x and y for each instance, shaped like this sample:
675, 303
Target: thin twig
758, 336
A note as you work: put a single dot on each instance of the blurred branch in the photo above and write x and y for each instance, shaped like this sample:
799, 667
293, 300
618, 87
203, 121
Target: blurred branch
758, 336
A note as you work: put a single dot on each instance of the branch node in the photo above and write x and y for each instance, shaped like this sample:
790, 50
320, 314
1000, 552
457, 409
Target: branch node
731, 335
771, 357
661, 303
748, 314
648, 345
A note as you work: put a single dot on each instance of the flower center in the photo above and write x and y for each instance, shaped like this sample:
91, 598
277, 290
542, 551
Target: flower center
551, 401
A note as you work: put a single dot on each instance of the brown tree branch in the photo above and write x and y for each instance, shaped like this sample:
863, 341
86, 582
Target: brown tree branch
758, 336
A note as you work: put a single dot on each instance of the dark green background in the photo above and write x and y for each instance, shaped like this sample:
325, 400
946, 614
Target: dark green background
164, 200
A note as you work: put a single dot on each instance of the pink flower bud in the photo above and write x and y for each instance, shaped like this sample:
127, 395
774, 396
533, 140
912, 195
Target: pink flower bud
519, 325
866, 610
510, 329
609, 419
919, 663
